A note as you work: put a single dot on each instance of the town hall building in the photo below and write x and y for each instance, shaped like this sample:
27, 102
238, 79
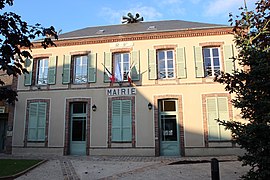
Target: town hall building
139, 89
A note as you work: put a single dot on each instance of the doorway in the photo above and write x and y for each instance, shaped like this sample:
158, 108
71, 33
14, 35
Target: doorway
3, 130
169, 128
78, 123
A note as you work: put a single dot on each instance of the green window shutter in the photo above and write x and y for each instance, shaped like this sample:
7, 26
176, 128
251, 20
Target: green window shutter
228, 61
223, 115
181, 63
92, 67
108, 65
41, 121
28, 76
52, 69
126, 120
32, 122
198, 62
66, 69
116, 121
135, 71
152, 64
37, 121
212, 115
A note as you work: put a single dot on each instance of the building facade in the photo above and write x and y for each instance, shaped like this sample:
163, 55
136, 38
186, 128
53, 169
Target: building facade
6, 116
142, 89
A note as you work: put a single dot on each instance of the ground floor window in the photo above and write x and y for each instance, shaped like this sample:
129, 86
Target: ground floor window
37, 117
217, 108
121, 121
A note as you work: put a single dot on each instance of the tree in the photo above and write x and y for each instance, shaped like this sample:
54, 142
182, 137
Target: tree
15, 43
251, 86
131, 19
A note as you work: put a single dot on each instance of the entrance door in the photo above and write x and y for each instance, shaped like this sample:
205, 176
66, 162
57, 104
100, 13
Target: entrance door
3, 130
78, 129
169, 128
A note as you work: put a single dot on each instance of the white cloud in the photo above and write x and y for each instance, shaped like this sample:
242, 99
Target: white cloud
114, 16
224, 7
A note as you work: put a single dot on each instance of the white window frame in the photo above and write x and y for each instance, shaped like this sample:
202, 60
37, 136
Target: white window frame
166, 59
215, 70
120, 70
80, 77
42, 71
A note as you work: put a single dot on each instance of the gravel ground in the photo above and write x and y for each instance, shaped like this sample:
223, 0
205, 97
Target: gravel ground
89, 168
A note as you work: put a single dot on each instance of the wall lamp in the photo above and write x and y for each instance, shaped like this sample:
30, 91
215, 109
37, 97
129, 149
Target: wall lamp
150, 106
94, 107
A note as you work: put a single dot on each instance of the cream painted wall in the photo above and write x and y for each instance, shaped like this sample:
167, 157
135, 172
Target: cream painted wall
191, 90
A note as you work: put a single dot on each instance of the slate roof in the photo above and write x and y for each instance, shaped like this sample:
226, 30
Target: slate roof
135, 28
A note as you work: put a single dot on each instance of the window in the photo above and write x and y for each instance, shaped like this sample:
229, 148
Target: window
121, 121
217, 108
121, 66
80, 69
37, 121
211, 57
165, 64
42, 71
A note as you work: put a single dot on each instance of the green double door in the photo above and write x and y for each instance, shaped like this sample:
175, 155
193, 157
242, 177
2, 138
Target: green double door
78, 123
3, 130
169, 128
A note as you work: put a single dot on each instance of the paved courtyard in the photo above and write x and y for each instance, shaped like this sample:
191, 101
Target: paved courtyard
104, 167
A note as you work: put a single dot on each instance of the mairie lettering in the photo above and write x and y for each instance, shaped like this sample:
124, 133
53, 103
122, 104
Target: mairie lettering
121, 91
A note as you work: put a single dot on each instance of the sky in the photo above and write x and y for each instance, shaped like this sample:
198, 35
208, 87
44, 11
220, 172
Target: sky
69, 15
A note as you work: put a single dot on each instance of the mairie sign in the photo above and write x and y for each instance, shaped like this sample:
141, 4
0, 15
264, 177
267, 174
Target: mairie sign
121, 91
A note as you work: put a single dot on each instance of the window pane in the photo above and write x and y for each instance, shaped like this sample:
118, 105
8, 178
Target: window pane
161, 55
216, 61
79, 108
167, 105
169, 54
206, 52
170, 64
215, 51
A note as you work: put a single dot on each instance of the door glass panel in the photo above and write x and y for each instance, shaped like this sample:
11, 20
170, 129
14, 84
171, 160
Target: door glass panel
78, 128
169, 127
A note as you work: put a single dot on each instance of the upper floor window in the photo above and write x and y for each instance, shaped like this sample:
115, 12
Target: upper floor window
121, 66
80, 69
42, 71
211, 58
165, 60
167, 63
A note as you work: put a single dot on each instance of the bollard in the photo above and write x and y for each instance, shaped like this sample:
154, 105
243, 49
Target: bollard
214, 169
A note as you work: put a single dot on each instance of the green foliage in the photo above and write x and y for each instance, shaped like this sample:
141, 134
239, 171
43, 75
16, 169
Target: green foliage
251, 86
15, 42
